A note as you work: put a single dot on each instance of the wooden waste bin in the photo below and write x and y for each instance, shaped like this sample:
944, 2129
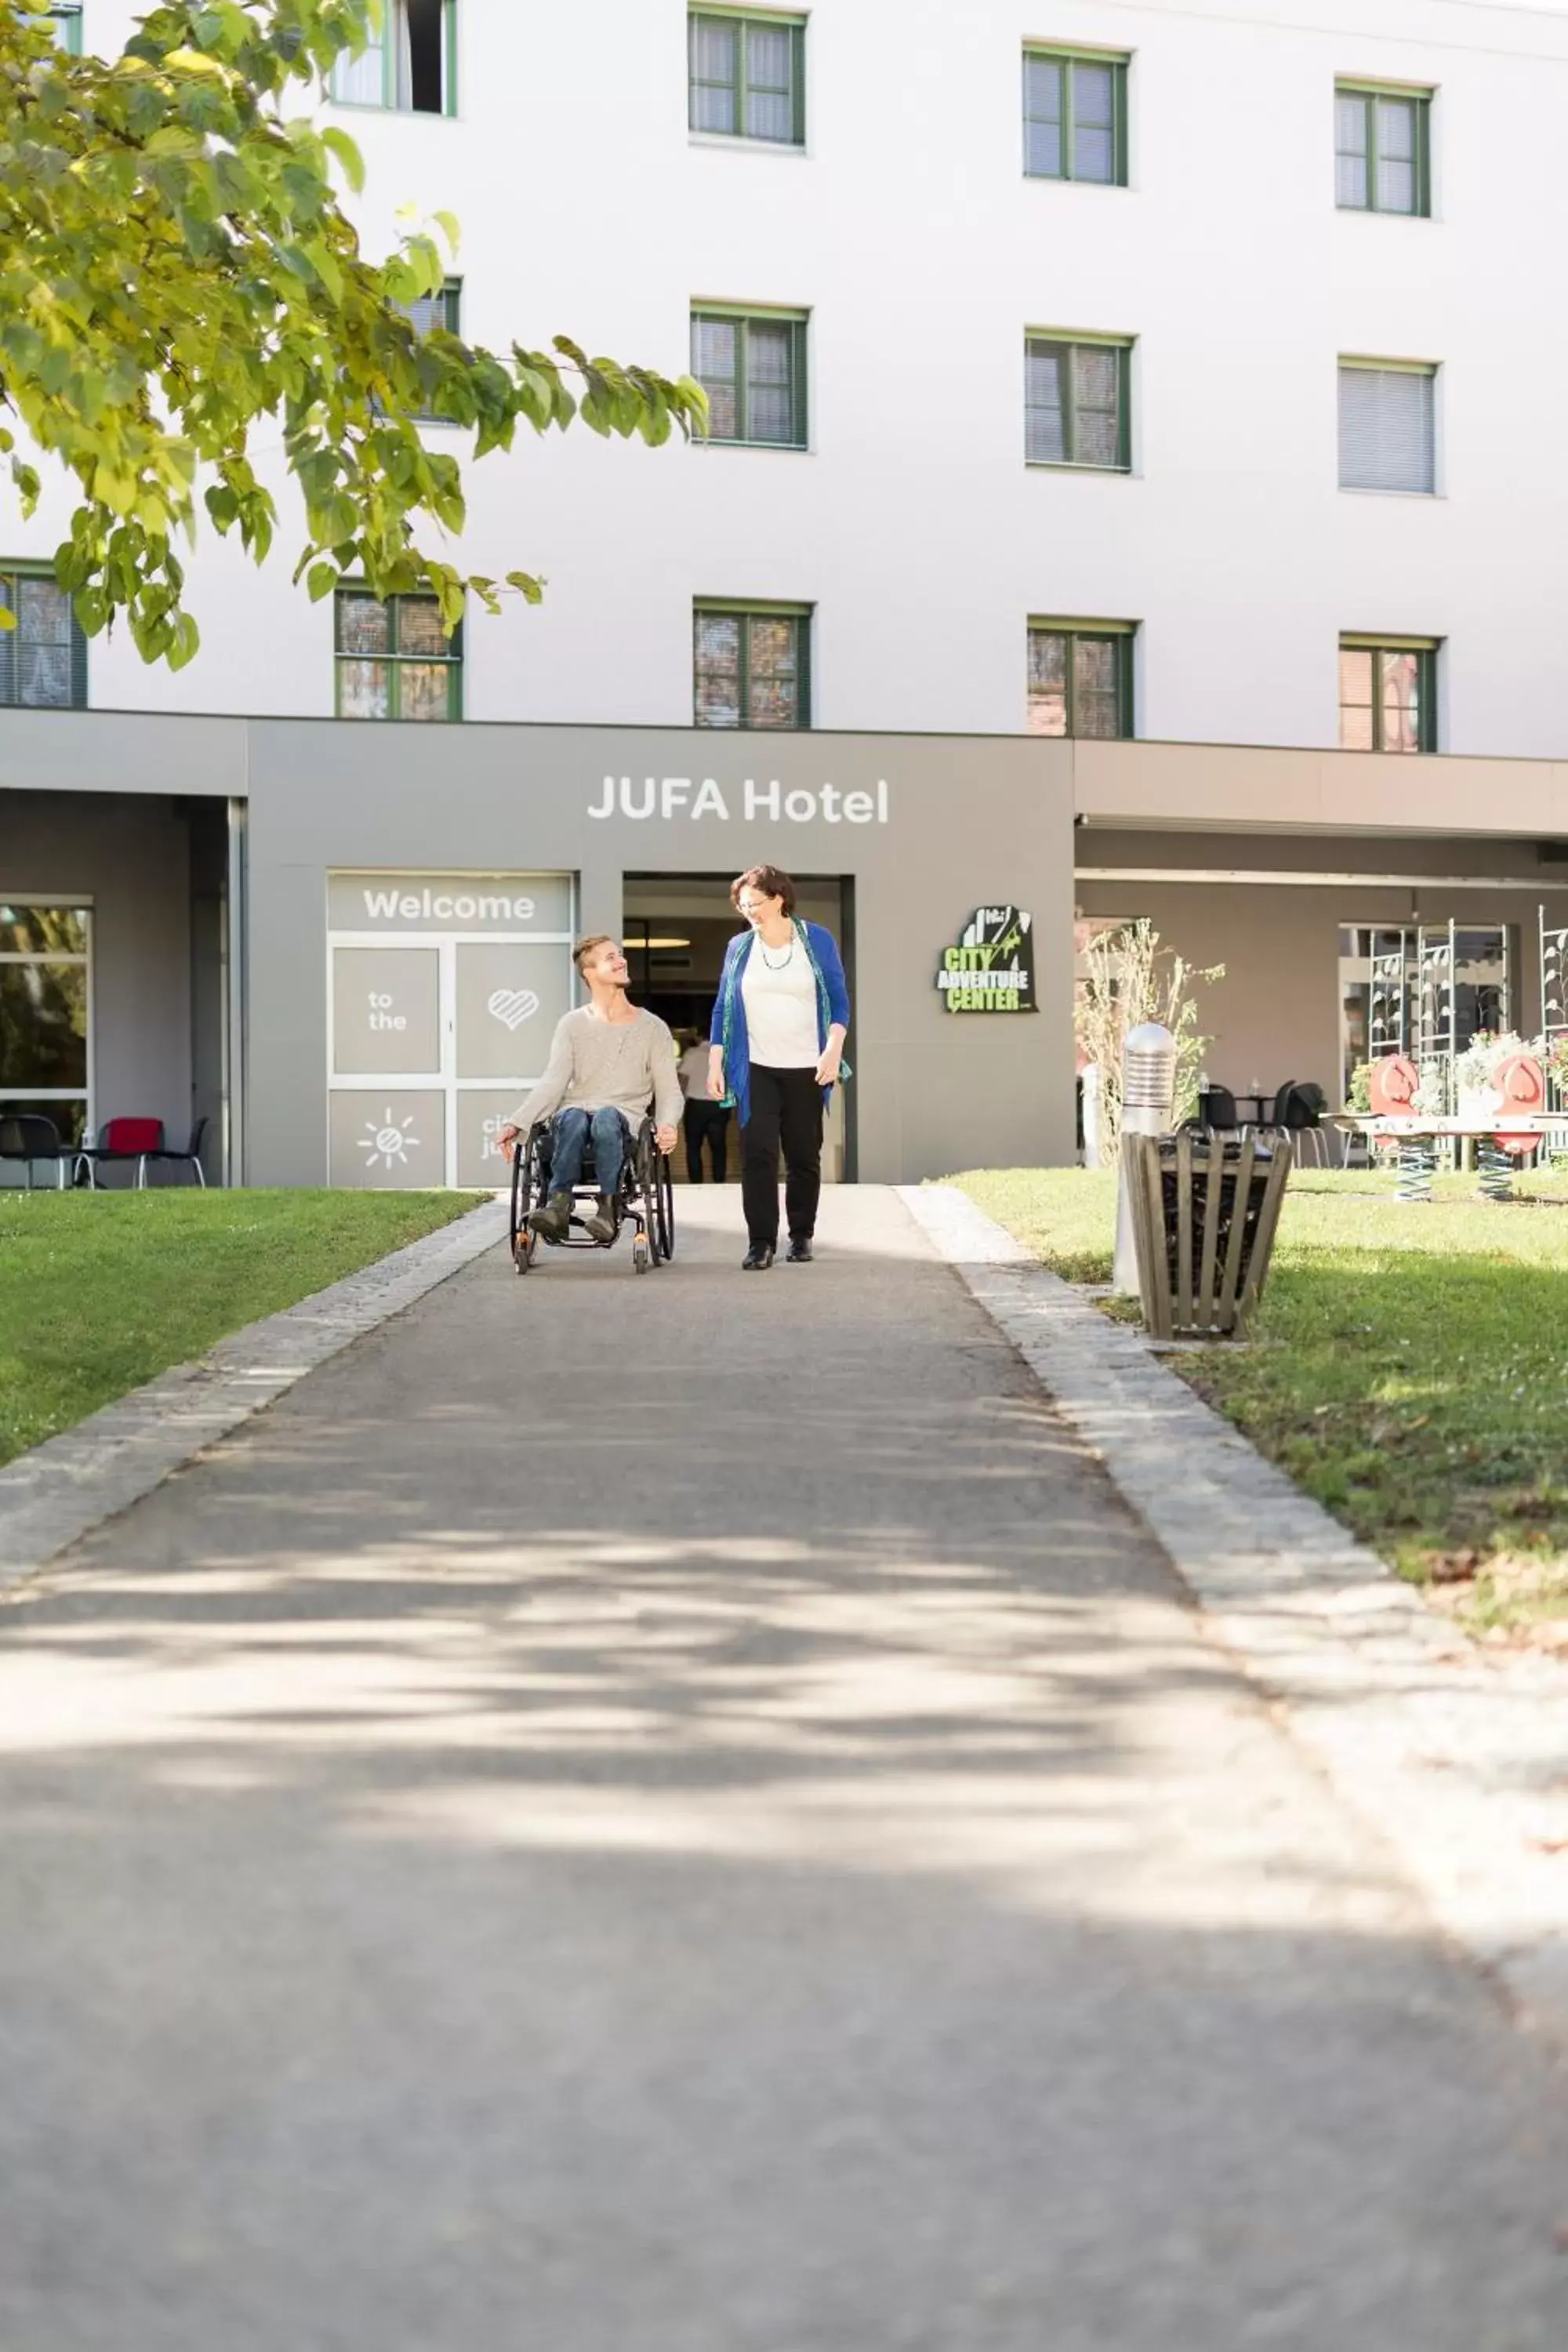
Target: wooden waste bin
1203, 1214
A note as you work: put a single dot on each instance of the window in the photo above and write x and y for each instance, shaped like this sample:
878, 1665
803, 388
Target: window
1381, 146
43, 660
409, 65
44, 1001
393, 660
1075, 403
1387, 435
1075, 117
443, 309
1388, 693
752, 665
752, 369
68, 27
1080, 677
747, 77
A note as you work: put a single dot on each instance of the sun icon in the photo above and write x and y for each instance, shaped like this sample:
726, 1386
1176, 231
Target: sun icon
390, 1142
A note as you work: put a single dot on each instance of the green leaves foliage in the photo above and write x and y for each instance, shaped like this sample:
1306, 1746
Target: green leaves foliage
180, 275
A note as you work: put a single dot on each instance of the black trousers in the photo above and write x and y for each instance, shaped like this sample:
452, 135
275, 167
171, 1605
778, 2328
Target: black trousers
709, 1119
787, 1108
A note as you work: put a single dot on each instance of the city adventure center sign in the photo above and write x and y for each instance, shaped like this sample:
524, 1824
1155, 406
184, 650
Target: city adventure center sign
991, 969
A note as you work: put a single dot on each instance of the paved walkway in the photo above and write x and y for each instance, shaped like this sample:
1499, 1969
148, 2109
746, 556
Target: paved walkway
681, 1815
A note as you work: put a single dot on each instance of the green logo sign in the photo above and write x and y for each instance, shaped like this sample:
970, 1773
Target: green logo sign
991, 969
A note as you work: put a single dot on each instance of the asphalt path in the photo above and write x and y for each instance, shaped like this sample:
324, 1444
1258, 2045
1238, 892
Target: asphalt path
680, 1814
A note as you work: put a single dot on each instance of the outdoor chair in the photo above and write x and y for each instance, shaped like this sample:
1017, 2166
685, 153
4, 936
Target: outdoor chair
120, 1141
1298, 1108
1216, 1109
191, 1157
30, 1139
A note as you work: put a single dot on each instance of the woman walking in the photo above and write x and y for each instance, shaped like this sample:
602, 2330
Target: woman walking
776, 1041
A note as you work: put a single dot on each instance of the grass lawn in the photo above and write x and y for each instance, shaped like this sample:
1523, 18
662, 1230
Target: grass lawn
1413, 1375
99, 1291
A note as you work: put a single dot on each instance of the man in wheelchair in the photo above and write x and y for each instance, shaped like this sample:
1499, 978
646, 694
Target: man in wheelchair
609, 1061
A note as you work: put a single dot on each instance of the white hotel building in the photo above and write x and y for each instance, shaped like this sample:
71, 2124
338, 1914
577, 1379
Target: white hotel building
1138, 426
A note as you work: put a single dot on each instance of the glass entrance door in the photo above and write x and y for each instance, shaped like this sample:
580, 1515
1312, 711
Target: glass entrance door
45, 1005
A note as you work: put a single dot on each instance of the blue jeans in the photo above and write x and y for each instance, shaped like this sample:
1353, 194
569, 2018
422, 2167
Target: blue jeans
611, 1136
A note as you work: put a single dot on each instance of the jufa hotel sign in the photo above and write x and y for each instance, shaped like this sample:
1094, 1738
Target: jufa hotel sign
991, 969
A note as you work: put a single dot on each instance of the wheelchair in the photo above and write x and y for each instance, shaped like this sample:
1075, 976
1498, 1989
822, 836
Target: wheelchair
644, 1199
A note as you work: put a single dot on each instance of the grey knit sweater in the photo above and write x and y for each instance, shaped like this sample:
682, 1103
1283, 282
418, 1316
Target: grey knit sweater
608, 1065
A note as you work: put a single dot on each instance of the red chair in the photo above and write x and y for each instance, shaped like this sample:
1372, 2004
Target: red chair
123, 1139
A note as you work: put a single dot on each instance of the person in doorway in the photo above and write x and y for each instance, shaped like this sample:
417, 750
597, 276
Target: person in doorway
704, 1121
609, 1060
776, 1046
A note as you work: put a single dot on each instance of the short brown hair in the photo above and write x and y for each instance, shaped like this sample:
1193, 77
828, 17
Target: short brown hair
772, 881
584, 948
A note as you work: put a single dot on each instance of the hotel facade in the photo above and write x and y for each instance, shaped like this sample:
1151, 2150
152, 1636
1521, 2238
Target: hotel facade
1134, 489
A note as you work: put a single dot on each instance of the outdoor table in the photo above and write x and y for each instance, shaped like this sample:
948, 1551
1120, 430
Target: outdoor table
1262, 1108
1419, 1135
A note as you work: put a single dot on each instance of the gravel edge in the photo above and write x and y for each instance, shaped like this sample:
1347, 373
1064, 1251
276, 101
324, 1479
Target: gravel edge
1455, 1758
55, 1494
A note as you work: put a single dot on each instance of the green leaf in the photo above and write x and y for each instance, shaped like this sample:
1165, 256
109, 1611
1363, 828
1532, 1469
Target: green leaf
351, 162
324, 579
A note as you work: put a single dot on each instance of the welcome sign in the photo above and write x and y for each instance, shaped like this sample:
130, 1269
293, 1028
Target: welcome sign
991, 969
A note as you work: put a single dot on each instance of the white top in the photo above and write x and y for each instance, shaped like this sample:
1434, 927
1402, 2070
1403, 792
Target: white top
692, 1071
781, 1006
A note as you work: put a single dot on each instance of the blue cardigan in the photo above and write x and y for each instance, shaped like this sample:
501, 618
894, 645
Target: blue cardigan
727, 1027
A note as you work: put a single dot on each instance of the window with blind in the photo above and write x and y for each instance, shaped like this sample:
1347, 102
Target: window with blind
1382, 150
409, 63
751, 365
752, 665
1388, 697
66, 21
443, 309
1080, 677
746, 77
395, 660
43, 659
1387, 426
1075, 403
1075, 117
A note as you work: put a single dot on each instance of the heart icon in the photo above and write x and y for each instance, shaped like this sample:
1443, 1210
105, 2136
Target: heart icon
514, 1006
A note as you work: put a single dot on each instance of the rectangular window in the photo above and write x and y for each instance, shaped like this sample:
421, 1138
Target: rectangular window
752, 665
752, 368
1075, 403
442, 309
1382, 147
1387, 426
410, 65
43, 660
747, 77
393, 659
44, 1004
67, 19
1075, 117
1388, 699
1080, 677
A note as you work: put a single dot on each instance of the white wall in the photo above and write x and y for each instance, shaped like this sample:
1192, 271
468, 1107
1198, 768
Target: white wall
922, 252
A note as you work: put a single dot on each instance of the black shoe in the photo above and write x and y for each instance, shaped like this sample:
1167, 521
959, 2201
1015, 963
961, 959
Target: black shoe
554, 1221
799, 1250
602, 1224
758, 1258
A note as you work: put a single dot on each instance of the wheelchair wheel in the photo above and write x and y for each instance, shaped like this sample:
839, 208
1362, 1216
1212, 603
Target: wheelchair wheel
664, 1229
642, 1256
520, 1237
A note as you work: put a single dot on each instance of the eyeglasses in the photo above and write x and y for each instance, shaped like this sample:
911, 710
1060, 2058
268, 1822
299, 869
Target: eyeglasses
750, 907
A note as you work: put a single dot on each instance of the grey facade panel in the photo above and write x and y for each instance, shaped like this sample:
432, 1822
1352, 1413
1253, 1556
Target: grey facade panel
925, 829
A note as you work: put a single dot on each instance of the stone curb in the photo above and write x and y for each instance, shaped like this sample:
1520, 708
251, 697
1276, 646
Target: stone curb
1456, 1759
71, 1483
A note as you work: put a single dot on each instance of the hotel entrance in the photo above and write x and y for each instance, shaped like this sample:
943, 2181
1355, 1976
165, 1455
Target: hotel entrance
676, 928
